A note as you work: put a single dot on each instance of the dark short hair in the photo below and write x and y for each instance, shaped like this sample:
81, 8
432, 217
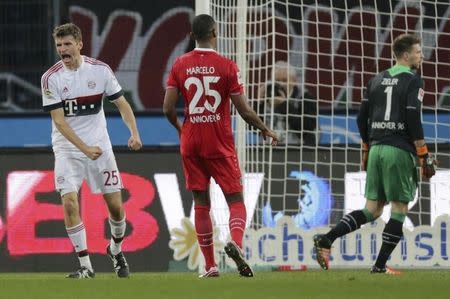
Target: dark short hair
67, 29
202, 27
403, 43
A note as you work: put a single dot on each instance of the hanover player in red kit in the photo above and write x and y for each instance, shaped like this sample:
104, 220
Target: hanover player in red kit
207, 81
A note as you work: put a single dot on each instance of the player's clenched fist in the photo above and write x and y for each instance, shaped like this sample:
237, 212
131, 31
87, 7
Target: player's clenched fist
134, 143
93, 152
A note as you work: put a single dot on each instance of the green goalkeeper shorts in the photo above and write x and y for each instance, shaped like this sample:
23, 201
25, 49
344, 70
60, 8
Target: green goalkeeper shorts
391, 174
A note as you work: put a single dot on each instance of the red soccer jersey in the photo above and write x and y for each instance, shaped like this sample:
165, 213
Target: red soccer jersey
206, 80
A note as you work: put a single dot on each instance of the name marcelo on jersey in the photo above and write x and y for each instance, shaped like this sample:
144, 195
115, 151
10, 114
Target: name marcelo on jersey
200, 70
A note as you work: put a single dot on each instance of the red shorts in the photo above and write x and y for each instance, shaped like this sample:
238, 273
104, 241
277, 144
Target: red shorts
225, 171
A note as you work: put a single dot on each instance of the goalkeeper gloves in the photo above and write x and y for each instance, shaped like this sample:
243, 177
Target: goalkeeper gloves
364, 155
427, 162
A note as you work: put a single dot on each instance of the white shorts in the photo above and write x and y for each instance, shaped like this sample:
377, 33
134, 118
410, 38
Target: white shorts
102, 175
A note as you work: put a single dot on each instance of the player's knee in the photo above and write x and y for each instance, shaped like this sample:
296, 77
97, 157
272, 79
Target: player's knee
117, 212
201, 197
234, 197
201, 201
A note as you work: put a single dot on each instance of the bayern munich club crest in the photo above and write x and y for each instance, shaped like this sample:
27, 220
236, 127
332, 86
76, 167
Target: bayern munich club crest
91, 84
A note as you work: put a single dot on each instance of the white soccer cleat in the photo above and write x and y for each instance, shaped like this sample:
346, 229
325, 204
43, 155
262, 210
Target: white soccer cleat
82, 272
212, 272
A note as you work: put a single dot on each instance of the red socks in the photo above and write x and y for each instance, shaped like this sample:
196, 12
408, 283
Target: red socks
203, 227
238, 217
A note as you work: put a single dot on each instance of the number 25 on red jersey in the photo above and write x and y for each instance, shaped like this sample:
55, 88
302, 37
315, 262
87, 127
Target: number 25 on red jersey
203, 88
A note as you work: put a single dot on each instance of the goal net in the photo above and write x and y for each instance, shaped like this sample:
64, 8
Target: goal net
305, 65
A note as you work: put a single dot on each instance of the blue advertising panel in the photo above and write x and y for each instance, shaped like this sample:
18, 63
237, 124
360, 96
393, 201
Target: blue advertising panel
35, 131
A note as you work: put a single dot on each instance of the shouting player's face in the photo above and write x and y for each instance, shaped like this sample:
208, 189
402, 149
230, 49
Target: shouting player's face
69, 50
415, 56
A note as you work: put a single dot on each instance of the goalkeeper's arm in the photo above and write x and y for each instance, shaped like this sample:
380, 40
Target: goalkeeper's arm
415, 131
363, 126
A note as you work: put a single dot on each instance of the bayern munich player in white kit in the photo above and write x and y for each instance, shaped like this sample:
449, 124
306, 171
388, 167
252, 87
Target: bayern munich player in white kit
72, 91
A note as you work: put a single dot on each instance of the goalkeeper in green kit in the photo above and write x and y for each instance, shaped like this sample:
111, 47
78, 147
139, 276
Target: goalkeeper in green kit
389, 123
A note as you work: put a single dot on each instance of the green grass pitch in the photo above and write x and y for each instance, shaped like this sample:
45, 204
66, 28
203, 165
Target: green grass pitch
423, 284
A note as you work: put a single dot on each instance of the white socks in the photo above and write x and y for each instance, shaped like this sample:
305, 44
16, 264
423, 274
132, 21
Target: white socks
117, 233
85, 261
77, 235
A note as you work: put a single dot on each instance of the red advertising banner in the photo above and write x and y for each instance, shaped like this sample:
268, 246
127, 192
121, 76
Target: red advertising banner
32, 232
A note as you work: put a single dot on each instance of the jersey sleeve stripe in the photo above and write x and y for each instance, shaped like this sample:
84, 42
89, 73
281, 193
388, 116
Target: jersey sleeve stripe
115, 96
50, 72
53, 106
56, 65
97, 62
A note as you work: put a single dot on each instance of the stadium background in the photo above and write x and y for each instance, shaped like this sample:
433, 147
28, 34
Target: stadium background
139, 40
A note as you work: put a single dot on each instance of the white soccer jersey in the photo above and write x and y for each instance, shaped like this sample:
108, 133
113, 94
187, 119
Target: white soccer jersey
80, 92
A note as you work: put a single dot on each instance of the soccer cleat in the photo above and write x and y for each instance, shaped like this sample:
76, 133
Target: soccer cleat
386, 270
323, 251
82, 272
212, 272
235, 253
120, 263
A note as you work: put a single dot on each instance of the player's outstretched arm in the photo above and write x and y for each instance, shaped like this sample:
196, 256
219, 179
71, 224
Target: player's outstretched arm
93, 152
134, 142
250, 117
170, 100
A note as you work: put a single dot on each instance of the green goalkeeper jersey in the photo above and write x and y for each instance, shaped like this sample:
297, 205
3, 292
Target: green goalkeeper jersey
391, 110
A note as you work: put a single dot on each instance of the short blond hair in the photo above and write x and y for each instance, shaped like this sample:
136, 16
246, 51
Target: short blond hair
67, 29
